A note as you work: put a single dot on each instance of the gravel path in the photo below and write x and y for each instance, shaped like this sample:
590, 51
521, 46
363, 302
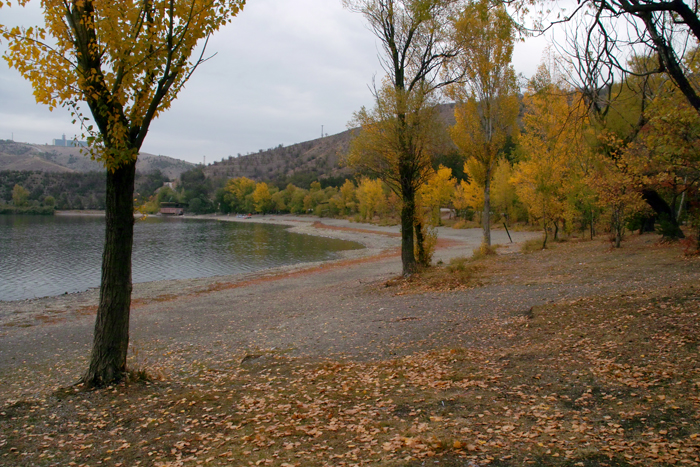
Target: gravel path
314, 310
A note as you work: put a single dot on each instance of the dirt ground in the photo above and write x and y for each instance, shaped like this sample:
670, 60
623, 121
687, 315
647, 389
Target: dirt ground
346, 325
311, 309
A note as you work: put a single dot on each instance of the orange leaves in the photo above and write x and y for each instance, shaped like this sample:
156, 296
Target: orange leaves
107, 56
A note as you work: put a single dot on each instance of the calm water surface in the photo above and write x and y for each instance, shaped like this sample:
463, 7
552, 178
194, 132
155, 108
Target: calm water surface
50, 255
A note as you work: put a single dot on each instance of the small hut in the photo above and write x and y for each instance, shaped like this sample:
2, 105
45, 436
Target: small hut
172, 209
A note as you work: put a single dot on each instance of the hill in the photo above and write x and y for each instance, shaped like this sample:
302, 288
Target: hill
44, 158
319, 158
311, 160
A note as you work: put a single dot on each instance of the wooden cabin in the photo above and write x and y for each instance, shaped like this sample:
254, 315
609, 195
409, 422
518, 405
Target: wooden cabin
172, 209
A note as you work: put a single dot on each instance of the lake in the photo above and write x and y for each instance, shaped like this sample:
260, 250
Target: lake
49, 255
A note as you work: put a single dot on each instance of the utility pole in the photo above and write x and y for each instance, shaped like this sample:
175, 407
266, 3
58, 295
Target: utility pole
205, 161
321, 131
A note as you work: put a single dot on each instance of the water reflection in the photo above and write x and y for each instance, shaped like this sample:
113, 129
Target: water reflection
43, 256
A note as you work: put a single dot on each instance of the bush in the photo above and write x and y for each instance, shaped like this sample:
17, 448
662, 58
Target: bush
483, 251
668, 228
534, 244
29, 210
196, 206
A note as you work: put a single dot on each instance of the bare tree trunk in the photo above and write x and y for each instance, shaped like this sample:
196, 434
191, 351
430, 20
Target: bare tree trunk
408, 213
663, 211
111, 339
618, 225
487, 210
544, 223
420, 244
546, 235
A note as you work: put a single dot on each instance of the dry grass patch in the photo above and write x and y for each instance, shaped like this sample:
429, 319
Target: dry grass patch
532, 245
461, 273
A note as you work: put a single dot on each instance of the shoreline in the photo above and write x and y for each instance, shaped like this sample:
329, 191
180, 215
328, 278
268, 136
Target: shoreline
32, 311
379, 242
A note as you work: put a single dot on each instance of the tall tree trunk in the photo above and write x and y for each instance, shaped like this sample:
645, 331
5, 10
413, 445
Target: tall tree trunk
663, 211
618, 225
487, 210
544, 224
111, 339
407, 176
408, 213
420, 243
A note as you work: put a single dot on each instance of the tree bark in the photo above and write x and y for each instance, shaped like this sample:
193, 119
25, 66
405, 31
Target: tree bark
663, 211
487, 210
544, 224
111, 339
408, 213
668, 57
422, 258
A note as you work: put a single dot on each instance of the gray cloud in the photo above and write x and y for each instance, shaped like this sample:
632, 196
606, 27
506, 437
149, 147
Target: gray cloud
282, 69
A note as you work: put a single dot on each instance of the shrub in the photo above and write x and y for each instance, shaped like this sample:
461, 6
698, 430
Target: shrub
534, 244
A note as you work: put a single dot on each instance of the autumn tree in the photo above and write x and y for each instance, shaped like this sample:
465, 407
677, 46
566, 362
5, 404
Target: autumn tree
398, 137
262, 198
238, 190
627, 135
547, 141
503, 195
437, 192
664, 157
488, 103
617, 196
20, 196
672, 139
467, 195
126, 61
347, 197
608, 32
370, 196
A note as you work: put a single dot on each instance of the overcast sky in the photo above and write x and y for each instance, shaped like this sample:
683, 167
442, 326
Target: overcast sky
282, 70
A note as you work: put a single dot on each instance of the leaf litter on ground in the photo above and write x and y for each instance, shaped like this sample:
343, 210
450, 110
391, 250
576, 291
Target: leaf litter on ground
601, 380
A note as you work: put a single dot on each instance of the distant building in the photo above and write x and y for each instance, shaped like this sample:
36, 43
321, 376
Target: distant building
172, 209
69, 143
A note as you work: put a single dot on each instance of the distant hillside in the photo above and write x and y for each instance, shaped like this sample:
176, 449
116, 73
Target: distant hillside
319, 157
44, 158
315, 159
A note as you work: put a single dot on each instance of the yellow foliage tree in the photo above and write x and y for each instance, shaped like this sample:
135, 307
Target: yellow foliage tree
468, 196
617, 195
262, 197
127, 61
488, 108
237, 190
347, 197
437, 192
396, 138
504, 196
550, 131
20, 196
370, 195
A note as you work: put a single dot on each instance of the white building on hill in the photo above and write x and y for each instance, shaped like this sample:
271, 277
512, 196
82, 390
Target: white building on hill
70, 143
